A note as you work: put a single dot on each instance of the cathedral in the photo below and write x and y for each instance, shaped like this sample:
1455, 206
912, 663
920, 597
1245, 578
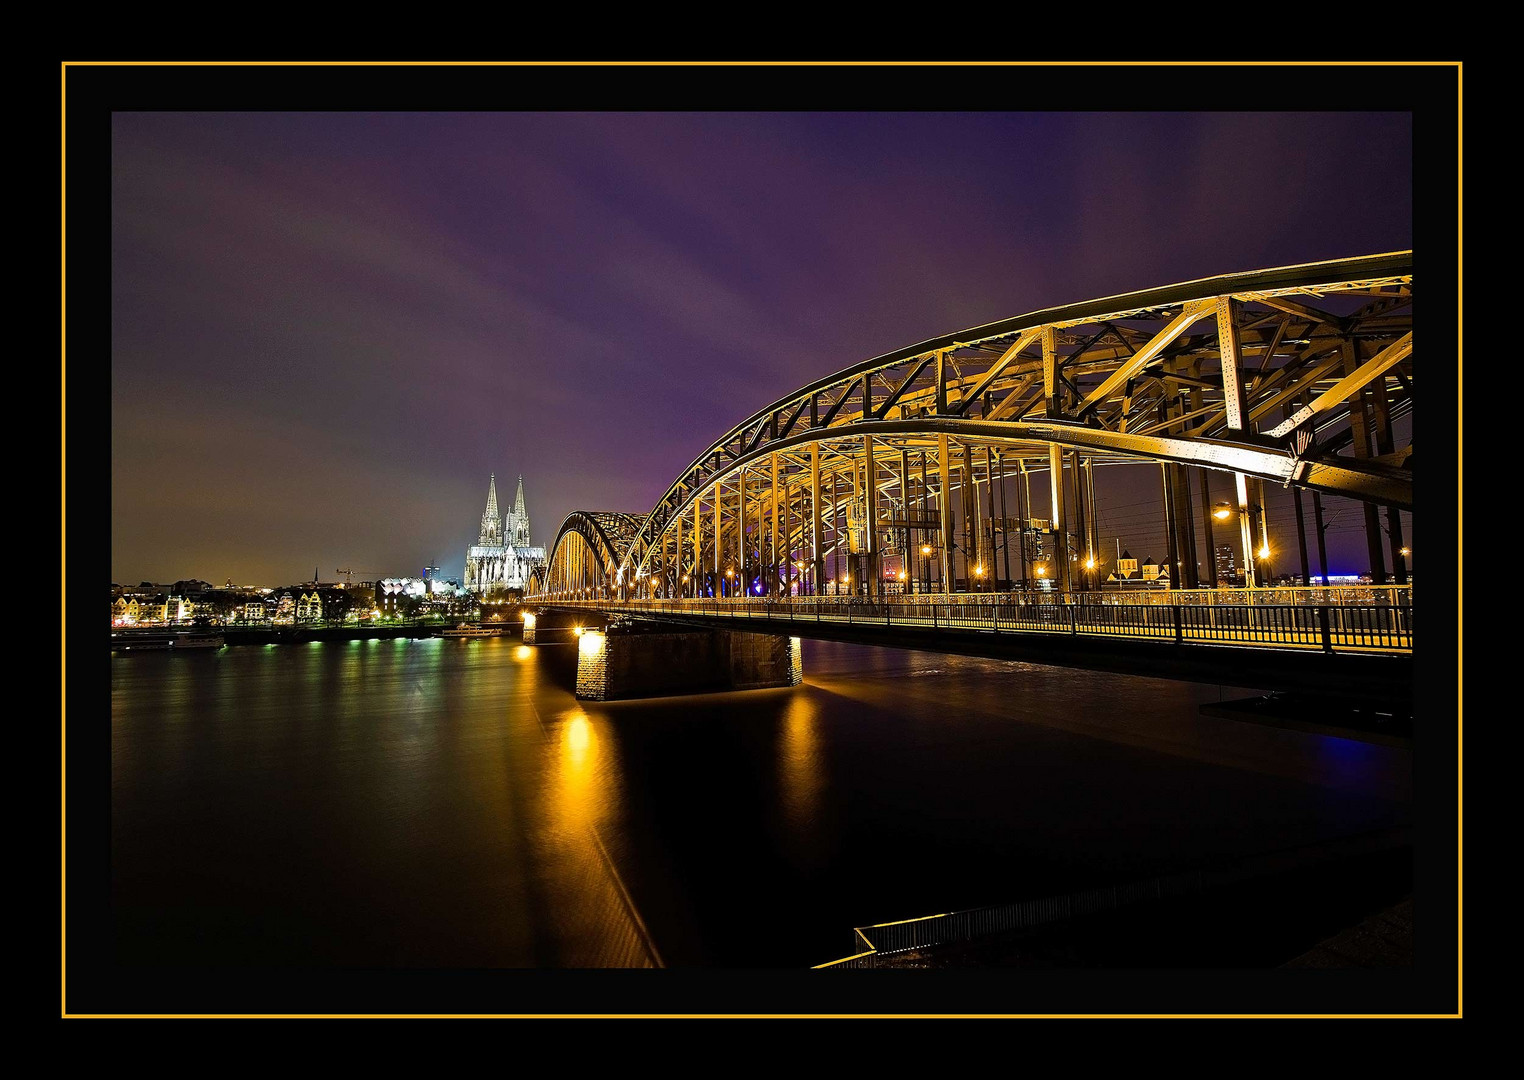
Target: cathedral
502, 556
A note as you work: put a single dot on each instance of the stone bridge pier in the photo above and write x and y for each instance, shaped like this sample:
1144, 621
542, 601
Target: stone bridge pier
627, 662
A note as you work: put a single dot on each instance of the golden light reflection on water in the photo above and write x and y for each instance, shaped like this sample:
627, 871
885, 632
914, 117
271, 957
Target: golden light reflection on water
598, 917
582, 786
523, 653
801, 766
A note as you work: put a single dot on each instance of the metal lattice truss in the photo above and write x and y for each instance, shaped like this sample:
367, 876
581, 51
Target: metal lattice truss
1292, 375
591, 546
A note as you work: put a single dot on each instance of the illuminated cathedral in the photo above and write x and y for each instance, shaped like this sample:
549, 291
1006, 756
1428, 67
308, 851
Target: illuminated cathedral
503, 556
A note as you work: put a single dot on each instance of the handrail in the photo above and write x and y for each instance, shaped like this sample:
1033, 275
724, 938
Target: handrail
1328, 628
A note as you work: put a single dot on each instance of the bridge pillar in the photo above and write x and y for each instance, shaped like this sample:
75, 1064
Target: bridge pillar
650, 663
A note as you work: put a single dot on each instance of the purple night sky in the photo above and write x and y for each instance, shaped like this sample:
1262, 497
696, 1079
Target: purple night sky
327, 329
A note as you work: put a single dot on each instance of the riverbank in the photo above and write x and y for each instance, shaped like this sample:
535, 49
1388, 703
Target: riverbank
302, 635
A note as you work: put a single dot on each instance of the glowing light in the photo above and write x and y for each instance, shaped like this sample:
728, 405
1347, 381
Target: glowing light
1089, 564
1222, 511
979, 570
528, 620
925, 549
846, 579
577, 630
1405, 552
591, 643
523, 652
1042, 571
1264, 551
730, 573
579, 737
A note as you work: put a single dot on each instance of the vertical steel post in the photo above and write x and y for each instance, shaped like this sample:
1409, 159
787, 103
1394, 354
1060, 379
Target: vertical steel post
1171, 526
1232, 394
1317, 524
905, 502
1023, 515
944, 499
1082, 526
1094, 518
1005, 523
774, 583
1359, 424
870, 510
1060, 516
1383, 417
817, 563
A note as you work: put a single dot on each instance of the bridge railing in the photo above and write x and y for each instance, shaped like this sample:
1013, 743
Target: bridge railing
1300, 595
1325, 627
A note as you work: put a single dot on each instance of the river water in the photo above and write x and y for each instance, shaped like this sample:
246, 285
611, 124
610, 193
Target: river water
449, 803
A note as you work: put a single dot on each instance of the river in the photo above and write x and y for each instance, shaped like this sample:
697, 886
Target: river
449, 803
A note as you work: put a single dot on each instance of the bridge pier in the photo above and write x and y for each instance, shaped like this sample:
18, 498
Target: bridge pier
629, 662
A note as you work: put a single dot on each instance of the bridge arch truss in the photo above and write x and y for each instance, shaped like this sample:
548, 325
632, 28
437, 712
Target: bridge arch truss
1292, 376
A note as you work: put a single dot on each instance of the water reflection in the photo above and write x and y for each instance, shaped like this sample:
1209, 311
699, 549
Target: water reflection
451, 804
801, 763
598, 921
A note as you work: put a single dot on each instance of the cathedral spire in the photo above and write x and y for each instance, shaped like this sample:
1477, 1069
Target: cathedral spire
520, 530
491, 525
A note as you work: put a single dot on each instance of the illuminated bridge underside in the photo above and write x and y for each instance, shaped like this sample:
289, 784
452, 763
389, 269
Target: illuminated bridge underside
1288, 376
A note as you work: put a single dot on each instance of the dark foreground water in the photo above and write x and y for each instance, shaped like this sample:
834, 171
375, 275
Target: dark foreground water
449, 803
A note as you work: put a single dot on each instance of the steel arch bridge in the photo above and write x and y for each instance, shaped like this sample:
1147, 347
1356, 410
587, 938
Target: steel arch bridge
1292, 375
590, 547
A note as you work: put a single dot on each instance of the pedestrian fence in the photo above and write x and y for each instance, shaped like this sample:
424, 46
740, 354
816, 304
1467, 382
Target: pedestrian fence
1325, 627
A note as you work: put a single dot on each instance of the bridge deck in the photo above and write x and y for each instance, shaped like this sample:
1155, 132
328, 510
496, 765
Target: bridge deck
1356, 652
1316, 628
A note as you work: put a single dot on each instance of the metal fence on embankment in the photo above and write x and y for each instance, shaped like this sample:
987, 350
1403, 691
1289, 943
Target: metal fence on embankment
875, 945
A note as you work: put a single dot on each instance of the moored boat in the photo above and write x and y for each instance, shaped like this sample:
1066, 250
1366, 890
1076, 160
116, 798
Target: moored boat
469, 631
165, 640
